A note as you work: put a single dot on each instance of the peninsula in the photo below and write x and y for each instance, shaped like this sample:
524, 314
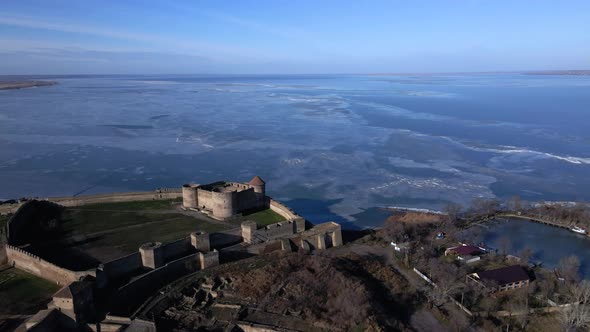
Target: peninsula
13, 85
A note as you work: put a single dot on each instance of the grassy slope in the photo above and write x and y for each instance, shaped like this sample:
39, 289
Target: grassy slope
129, 241
101, 217
151, 205
265, 217
157, 219
22, 293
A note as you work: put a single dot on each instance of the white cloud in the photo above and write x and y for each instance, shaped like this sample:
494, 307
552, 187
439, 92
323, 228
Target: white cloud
153, 42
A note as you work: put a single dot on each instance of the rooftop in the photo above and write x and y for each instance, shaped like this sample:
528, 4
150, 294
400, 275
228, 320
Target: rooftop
505, 275
467, 250
72, 290
256, 181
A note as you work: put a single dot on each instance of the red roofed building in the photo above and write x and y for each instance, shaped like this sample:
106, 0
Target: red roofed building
464, 250
511, 277
257, 181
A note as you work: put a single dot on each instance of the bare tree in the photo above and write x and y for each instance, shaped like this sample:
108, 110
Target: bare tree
521, 306
576, 316
505, 245
485, 206
546, 287
570, 268
447, 278
515, 203
525, 255
453, 210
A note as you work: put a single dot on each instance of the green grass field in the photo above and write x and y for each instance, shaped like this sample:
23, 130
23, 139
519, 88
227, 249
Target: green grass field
91, 221
116, 229
151, 205
130, 240
265, 217
23, 293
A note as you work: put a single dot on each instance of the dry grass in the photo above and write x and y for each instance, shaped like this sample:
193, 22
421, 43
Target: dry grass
416, 218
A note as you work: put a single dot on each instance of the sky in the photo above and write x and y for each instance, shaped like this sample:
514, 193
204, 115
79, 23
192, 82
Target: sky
291, 37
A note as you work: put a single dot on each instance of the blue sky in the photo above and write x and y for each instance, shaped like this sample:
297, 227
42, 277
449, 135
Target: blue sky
279, 36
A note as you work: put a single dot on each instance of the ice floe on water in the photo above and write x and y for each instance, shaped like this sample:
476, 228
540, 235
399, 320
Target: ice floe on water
353, 142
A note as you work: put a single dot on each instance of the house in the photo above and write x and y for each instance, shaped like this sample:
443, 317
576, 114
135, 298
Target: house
464, 250
511, 277
75, 300
466, 253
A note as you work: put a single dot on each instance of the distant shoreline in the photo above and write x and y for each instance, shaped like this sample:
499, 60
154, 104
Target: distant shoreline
13, 85
573, 72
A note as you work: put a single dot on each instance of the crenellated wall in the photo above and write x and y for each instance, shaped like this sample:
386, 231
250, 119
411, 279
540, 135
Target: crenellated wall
33, 264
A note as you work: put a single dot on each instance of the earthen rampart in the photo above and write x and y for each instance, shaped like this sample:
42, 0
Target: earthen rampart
33, 264
32, 221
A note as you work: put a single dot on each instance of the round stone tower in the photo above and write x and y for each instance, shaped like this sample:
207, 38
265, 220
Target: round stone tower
189, 196
258, 184
223, 204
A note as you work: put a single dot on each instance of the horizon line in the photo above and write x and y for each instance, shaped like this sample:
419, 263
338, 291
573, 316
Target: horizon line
535, 71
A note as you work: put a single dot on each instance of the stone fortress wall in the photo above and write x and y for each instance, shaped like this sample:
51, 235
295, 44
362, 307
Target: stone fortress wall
154, 265
166, 262
121, 267
69, 201
321, 236
162, 193
283, 210
33, 264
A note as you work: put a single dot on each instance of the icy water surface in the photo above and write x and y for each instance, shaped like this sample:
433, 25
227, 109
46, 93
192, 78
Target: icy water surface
548, 244
336, 147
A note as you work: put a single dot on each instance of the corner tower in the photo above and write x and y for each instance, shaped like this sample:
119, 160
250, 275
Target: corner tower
258, 184
189, 196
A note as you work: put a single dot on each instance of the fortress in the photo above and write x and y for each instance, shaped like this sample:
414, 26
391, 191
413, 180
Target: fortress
223, 200
130, 280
